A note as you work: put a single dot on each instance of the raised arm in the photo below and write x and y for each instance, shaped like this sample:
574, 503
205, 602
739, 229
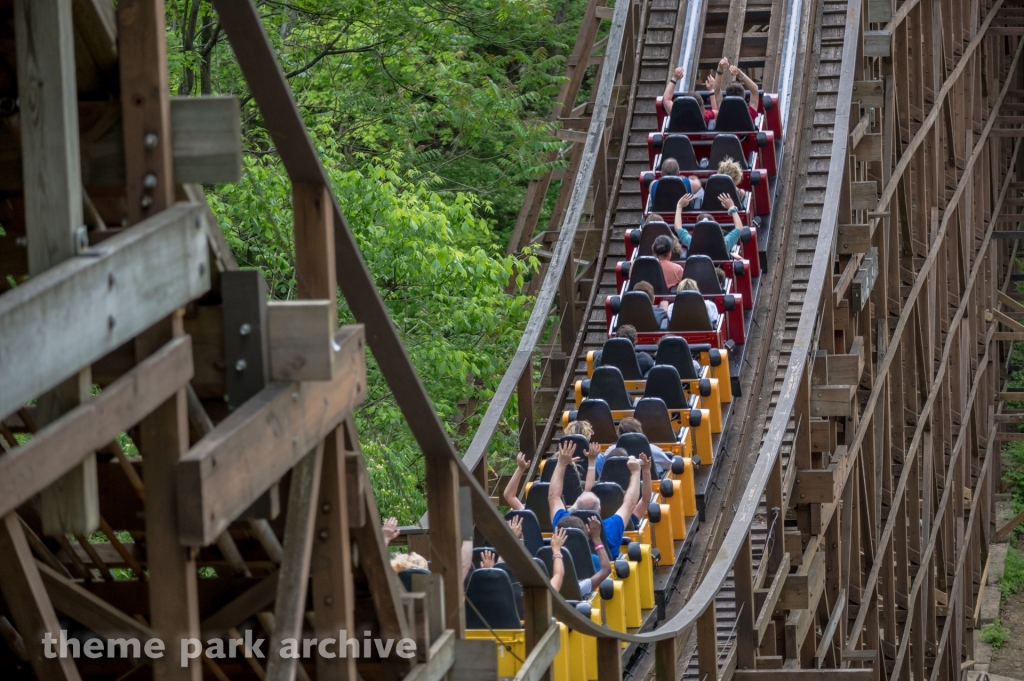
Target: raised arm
734, 212
557, 569
716, 96
592, 454
632, 492
594, 530
555, 503
670, 90
513, 484
755, 93
647, 489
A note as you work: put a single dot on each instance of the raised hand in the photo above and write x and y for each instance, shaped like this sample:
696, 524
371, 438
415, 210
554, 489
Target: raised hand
557, 540
488, 559
709, 84
594, 451
390, 530
522, 463
685, 200
594, 528
726, 201
565, 451
678, 73
723, 63
633, 464
735, 71
516, 525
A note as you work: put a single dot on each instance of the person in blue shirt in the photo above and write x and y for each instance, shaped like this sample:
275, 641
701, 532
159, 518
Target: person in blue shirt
732, 237
614, 526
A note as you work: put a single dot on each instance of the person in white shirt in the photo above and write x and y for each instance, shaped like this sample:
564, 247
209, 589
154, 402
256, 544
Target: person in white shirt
691, 285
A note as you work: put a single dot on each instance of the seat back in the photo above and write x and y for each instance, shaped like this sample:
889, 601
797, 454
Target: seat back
616, 471
653, 416
620, 353
570, 582
532, 537
680, 148
580, 444
727, 146
635, 308
666, 192
537, 502
719, 184
674, 351
634, 443
689, 313
405, 576
585, 516
686, 115
651, 231
490, 601
707, 239
572, 486
648, 268
517, 588
607, 384
700, 268
663, 381
599, 415
578, 545
611, 495
733, 116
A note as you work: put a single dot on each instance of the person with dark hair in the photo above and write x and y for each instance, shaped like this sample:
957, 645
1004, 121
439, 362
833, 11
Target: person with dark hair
601, 564
663, 250
662, 460
659, 314
628, 331
670, 93
670, 168
734, 89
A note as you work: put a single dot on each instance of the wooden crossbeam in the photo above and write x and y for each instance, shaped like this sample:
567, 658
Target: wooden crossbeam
439, 661
85, 607
252, 448
764, 617
63, 444
245, 605
1006, 529
77, 312
538, 663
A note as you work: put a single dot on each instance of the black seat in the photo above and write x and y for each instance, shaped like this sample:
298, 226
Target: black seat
572, 486
490, 601
727, 146
620, 353
674, 351
708, 240
701, 269
517, 588
635, 308
634, 443
648, 268
578, 545
680, 148
585, 516
689, 313
537, 502
663, 382
654, 418
405, 576
607, 384
651, 231
665, 193
599, 415
611, 495
616, 471
733, 116
570, 582
687, 116
719, 184
532, 537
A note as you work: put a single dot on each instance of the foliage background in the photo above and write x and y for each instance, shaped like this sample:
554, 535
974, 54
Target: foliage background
431, 117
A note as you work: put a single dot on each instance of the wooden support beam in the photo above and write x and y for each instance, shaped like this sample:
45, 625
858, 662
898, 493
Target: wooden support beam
537, 664
242, 607
816, 486
832, 400
252, 448
877, 43
301, 340
804, 675
79, 311
90, 610
666, 659
764, 617
1006, 529
60, 446
537, 622
609, 659
869, 93
439, 660
829, 632
802, 590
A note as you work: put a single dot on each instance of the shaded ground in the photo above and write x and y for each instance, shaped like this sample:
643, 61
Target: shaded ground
1009, 659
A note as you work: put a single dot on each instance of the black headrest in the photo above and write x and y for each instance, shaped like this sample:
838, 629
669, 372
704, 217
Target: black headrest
611, 495
585, 516
648, 268
537, 502
686, 115
405, 576
663, 382
580, 443
572, 486
634, 443
689, 313
616, 470
635, 308
653, 415
489, 597
599, 414
733, 116
578, 545
680, 148
607, 384
532, 537
666, 192
674, 351
651, 231
699, 266
570, 582
719, 184
707, 239
620, 353
726, 146
517, 588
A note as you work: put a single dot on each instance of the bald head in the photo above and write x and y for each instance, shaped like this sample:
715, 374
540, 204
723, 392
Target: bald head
588, 501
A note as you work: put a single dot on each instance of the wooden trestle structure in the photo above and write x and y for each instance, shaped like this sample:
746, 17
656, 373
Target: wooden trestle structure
878, 457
